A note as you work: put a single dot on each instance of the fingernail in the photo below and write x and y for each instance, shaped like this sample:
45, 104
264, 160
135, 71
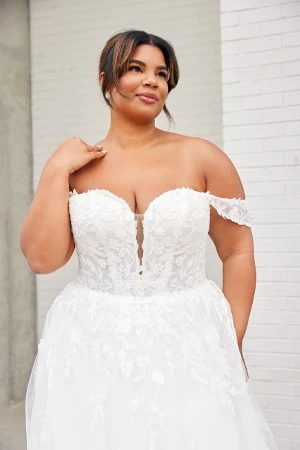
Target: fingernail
100, 146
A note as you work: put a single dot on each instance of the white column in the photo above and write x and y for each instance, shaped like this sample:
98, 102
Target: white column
17, 282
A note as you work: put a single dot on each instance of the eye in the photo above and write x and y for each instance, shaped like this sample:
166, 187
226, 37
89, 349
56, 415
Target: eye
163, 74
134, 68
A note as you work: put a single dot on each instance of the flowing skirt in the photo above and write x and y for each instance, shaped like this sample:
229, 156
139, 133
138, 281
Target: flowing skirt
163, 372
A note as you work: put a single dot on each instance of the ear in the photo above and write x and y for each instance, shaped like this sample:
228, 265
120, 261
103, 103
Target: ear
101, 76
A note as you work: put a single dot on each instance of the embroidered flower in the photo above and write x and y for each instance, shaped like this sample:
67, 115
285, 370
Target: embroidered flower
126, 367
102, 263
135, 405
158, 250
179, 261
157, 377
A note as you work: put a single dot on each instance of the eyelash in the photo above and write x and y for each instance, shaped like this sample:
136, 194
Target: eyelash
164, 74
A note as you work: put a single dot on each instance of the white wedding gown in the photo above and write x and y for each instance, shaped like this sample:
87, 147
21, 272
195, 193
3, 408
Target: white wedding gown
139, 352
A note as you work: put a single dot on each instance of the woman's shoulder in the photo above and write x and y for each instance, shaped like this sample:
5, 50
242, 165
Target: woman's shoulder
207, 153
221, 175
195, 143
201, 150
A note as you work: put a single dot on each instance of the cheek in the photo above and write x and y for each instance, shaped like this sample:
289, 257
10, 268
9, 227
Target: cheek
165, 90
164, 94
128, 84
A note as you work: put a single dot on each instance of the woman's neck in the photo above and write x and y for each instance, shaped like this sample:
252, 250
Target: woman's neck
128, 136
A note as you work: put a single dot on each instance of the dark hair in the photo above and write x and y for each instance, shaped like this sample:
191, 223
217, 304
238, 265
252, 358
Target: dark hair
115, 57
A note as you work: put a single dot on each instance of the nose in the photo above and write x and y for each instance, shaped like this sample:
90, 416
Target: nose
150, 80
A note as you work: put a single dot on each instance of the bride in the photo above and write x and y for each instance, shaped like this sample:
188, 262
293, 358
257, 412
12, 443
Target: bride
141, 351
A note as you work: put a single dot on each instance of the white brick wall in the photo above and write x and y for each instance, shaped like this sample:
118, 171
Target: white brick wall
261, 112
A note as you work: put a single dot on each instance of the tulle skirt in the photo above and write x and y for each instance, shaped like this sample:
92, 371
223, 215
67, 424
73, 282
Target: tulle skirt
163, 372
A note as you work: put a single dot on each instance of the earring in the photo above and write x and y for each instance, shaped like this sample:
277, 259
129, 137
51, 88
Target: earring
107, 95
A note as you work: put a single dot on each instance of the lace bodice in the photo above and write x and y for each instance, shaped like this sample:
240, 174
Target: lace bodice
122, 252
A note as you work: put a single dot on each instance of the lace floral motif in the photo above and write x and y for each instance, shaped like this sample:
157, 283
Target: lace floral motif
234, 209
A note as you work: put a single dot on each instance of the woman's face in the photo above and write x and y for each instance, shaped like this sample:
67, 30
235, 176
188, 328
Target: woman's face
145, 83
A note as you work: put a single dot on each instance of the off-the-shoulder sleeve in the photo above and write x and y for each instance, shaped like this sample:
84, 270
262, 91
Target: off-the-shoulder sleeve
234, 209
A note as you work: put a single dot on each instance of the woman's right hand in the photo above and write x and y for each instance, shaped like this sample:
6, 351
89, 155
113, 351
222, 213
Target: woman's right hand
73, 153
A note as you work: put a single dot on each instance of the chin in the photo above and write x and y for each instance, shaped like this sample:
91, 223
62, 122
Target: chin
141, 116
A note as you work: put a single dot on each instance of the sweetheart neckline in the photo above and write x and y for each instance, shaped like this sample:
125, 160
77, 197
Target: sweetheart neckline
74, 194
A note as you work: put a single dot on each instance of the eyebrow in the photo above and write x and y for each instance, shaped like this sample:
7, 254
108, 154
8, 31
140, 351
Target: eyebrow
141, 63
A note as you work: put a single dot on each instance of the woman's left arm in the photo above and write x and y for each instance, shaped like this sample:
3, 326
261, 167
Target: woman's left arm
239, 280
233, 242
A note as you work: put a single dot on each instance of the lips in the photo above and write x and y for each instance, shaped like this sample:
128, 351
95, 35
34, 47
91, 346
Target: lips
148, 95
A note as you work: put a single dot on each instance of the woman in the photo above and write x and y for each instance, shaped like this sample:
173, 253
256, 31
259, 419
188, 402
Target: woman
141, 351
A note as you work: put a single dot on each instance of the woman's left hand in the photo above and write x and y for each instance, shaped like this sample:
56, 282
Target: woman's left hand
243, 359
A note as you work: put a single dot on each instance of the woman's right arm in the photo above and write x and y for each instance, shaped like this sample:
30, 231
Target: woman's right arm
45, 236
